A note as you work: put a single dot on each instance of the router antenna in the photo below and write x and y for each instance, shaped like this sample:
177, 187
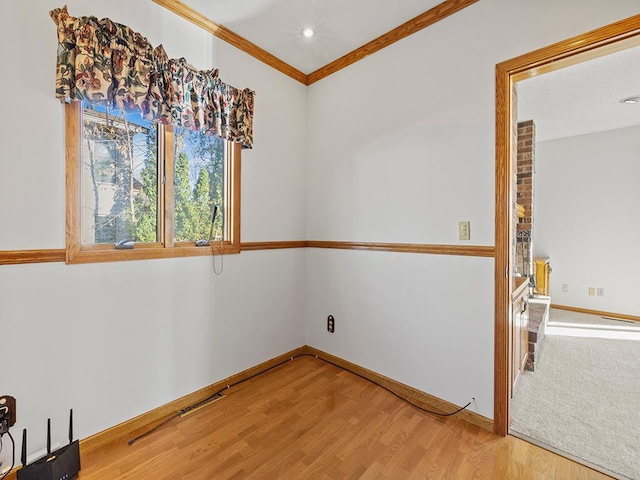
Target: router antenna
61, 464
71, 425
23, 456
48, 436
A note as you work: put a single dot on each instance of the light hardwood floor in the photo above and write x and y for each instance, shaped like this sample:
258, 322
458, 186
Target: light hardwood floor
311, 420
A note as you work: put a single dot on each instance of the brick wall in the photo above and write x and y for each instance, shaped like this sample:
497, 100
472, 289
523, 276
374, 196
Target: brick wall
525, 168
514, 173
525, 161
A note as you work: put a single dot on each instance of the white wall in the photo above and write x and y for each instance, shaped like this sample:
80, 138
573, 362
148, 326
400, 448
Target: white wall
391, 318
116, 340
587, 218
401, 148
274, 172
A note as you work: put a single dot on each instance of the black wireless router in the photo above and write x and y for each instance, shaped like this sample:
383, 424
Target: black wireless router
62, 464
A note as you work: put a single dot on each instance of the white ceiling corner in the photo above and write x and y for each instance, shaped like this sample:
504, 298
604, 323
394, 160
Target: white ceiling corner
583, 98
341, 26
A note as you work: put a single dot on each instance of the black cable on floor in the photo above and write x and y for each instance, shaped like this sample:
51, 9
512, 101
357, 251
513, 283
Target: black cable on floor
392, 392
204, 400
219, 392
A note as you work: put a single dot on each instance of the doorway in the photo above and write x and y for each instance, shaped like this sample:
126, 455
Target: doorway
609, 39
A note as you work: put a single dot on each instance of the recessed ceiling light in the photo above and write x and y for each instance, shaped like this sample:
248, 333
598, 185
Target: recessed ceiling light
631, 100
307, 32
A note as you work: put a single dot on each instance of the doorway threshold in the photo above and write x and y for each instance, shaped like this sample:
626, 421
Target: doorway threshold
562, 453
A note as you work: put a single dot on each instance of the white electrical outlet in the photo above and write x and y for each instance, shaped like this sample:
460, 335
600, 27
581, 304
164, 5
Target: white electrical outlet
600, 292
592, 291
464, 230
565, 288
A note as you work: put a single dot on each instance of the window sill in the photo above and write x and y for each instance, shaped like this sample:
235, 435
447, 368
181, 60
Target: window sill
107, 253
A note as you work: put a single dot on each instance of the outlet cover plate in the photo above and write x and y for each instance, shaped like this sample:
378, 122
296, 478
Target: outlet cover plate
464, 230
8, 405
331, 324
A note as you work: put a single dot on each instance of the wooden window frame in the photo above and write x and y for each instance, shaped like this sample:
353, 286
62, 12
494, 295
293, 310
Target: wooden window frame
77, 252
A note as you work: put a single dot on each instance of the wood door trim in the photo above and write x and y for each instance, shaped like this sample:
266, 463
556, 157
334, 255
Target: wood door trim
588, 45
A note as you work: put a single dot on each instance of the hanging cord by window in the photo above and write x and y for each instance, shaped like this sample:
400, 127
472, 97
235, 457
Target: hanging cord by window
213, 258
13, 456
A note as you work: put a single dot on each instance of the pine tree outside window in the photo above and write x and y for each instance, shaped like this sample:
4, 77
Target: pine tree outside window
198, 184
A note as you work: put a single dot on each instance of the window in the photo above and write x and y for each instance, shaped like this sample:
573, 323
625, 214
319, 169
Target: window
157, 185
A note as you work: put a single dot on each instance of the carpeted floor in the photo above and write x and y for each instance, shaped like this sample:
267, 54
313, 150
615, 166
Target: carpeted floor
584, 397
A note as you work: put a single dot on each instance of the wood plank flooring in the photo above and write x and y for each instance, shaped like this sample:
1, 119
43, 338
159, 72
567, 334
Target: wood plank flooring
308, 419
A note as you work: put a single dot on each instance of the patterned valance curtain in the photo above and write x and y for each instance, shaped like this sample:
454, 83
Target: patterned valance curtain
104, 62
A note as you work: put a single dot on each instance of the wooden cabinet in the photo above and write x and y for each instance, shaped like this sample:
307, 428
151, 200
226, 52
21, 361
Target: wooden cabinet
519, 332
542, 272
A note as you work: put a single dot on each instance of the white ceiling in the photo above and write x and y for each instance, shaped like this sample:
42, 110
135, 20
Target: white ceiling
341, 26
583, 98
580, 99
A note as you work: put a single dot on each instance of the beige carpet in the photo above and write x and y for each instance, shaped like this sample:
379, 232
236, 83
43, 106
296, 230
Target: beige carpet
584, 397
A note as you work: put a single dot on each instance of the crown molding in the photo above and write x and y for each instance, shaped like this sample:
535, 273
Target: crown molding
431, 16
232, 38
435, 14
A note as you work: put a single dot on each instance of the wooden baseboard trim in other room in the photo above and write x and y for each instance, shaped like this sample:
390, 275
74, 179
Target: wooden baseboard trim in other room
617, 316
